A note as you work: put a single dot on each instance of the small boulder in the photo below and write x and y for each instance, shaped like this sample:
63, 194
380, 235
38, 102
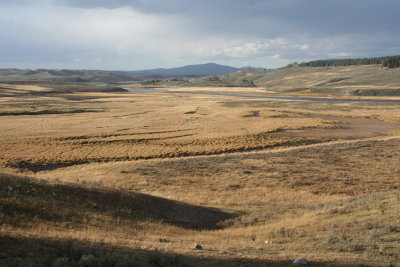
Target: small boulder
300, 261
268, 242
198, 247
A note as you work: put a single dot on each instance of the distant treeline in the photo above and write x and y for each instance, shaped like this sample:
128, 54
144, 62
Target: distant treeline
389, 62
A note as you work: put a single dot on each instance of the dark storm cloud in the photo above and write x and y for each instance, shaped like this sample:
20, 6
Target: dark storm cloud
239, 32
263, 17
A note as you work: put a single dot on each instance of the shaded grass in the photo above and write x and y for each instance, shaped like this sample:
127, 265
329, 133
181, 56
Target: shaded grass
57, 204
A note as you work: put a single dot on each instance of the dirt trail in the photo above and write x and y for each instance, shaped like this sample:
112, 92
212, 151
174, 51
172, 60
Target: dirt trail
331, 143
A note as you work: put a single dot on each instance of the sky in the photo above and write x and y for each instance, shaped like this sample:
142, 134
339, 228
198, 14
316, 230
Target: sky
145, 34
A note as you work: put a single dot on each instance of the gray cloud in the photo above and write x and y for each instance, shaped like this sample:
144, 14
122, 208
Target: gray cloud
328, 16
151, 33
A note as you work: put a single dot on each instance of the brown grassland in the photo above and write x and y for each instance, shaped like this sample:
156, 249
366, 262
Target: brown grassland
97, 178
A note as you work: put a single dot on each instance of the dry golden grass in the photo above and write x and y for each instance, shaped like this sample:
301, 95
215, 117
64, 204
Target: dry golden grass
363, 229
135, 127
317, 180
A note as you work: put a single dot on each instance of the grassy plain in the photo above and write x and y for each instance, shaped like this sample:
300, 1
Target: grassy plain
123, 178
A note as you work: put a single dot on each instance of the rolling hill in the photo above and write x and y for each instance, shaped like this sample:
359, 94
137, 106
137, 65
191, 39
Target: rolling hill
209, 69
343, 80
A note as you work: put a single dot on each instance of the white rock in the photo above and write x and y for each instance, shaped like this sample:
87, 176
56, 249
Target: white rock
301, 261
268, 242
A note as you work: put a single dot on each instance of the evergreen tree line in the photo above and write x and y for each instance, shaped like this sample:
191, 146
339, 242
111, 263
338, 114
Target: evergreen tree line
388, 61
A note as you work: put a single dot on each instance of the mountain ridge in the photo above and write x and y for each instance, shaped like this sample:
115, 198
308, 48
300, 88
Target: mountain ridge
207, 69
70, 75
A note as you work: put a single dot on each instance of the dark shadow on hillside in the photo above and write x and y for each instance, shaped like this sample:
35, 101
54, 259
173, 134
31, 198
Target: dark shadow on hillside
26, 251
22, 199
46, 112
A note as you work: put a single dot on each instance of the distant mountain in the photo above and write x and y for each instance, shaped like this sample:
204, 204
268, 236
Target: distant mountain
209, 69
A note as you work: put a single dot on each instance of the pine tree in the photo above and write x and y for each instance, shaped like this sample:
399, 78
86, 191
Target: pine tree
388, 61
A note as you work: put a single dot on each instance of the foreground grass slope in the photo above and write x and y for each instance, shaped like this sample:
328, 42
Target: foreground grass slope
332, 219
43, 211
363, 229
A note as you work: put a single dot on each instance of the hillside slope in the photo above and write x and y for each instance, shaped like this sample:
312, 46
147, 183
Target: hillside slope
345, 80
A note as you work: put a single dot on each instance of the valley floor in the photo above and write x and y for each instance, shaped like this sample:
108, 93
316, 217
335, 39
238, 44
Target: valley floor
140, 178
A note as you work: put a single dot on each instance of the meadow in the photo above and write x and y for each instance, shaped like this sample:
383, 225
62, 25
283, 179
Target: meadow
96, 175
